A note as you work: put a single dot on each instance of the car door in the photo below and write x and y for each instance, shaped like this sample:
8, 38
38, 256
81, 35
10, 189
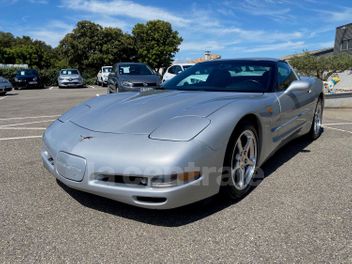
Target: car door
293, 104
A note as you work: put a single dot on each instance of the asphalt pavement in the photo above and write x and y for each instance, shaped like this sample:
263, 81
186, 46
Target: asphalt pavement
300, 213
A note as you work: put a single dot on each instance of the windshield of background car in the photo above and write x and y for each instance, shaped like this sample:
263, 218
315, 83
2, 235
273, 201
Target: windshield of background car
228, 76
186, 66
134, 69
69, 72
107, 70
26, 73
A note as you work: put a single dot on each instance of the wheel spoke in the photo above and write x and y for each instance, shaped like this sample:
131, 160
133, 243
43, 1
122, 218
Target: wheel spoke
239, 144
250, 162
249, 144
241, 178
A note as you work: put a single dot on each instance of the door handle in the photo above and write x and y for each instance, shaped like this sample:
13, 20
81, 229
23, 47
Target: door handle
309, 91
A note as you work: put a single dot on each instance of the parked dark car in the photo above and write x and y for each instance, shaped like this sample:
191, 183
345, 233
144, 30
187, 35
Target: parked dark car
5, 86
132, 76
27, 78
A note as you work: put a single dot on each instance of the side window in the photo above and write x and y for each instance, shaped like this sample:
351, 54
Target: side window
172, 70
178, 69
285, 76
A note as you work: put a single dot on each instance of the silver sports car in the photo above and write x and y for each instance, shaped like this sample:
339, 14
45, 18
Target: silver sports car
207, 130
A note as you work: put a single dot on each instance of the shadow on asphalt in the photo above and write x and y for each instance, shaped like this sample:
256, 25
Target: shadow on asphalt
187, 214
9, 94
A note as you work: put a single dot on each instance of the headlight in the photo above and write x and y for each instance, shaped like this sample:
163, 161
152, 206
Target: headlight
174, 179
183, 128
127, 84
16, 79
61, 79
35, 79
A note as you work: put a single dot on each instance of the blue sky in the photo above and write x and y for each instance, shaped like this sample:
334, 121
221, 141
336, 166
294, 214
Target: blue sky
243, 28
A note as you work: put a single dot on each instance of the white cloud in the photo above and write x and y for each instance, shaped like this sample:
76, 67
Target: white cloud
289, 45
38, 1
124, 8
342, 15
267, 8
201, 45
52, 33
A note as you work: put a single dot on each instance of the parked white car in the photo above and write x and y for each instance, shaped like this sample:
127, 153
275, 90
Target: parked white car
103, 74
175, 69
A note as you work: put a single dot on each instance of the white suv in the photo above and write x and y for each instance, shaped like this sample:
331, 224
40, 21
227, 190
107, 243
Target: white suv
103, 74
175, 69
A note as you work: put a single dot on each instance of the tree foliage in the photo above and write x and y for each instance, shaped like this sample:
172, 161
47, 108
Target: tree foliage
90, 46
322, 67
156, 43
24, 50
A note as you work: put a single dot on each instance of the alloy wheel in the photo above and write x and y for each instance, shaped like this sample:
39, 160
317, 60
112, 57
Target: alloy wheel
244, 160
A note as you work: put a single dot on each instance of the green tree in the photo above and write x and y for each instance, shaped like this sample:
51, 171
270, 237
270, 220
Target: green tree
24, 50
89, 46
321, 67
156, 43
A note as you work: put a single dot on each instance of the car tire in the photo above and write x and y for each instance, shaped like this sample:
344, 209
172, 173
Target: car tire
2, 93
316, 130
240, 162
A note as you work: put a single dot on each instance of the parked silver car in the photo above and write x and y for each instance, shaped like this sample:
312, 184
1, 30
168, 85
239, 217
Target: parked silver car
5, 86
208, 130
70, 78
131, 76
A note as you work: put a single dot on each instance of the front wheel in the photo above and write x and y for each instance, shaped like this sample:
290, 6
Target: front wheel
240, 161
317, 129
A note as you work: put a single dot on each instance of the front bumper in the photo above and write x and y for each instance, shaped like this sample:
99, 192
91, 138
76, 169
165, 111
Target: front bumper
136, 154
70, 83
5, 89
136, 89
26, 84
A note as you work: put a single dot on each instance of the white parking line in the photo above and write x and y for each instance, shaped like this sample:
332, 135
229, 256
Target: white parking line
338, 124
26, 123
16, 138
2, 98
22, 128
27, 117
338, 129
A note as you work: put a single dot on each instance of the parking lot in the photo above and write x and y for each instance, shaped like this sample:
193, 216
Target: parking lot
300, 213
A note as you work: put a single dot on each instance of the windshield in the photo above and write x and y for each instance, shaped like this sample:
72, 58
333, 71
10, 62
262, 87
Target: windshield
231, 76
107, 69
186, 66
69, 72
135, 69
26, 72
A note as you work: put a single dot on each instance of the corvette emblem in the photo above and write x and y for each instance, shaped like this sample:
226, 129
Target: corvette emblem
84, 138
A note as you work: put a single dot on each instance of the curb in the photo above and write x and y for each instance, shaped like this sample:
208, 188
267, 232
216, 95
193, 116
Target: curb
338, 100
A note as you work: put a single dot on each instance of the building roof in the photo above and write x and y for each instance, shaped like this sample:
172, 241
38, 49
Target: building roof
211, 57
347, 25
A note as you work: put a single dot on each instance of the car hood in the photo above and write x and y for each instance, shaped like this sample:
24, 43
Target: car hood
139, 78
142, 113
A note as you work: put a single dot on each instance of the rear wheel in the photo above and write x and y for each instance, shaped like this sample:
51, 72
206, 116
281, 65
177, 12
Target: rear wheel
2, 93
317, 128
240, 161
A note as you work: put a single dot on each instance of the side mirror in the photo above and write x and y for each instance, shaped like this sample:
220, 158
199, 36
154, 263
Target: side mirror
178, 72
298, 85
